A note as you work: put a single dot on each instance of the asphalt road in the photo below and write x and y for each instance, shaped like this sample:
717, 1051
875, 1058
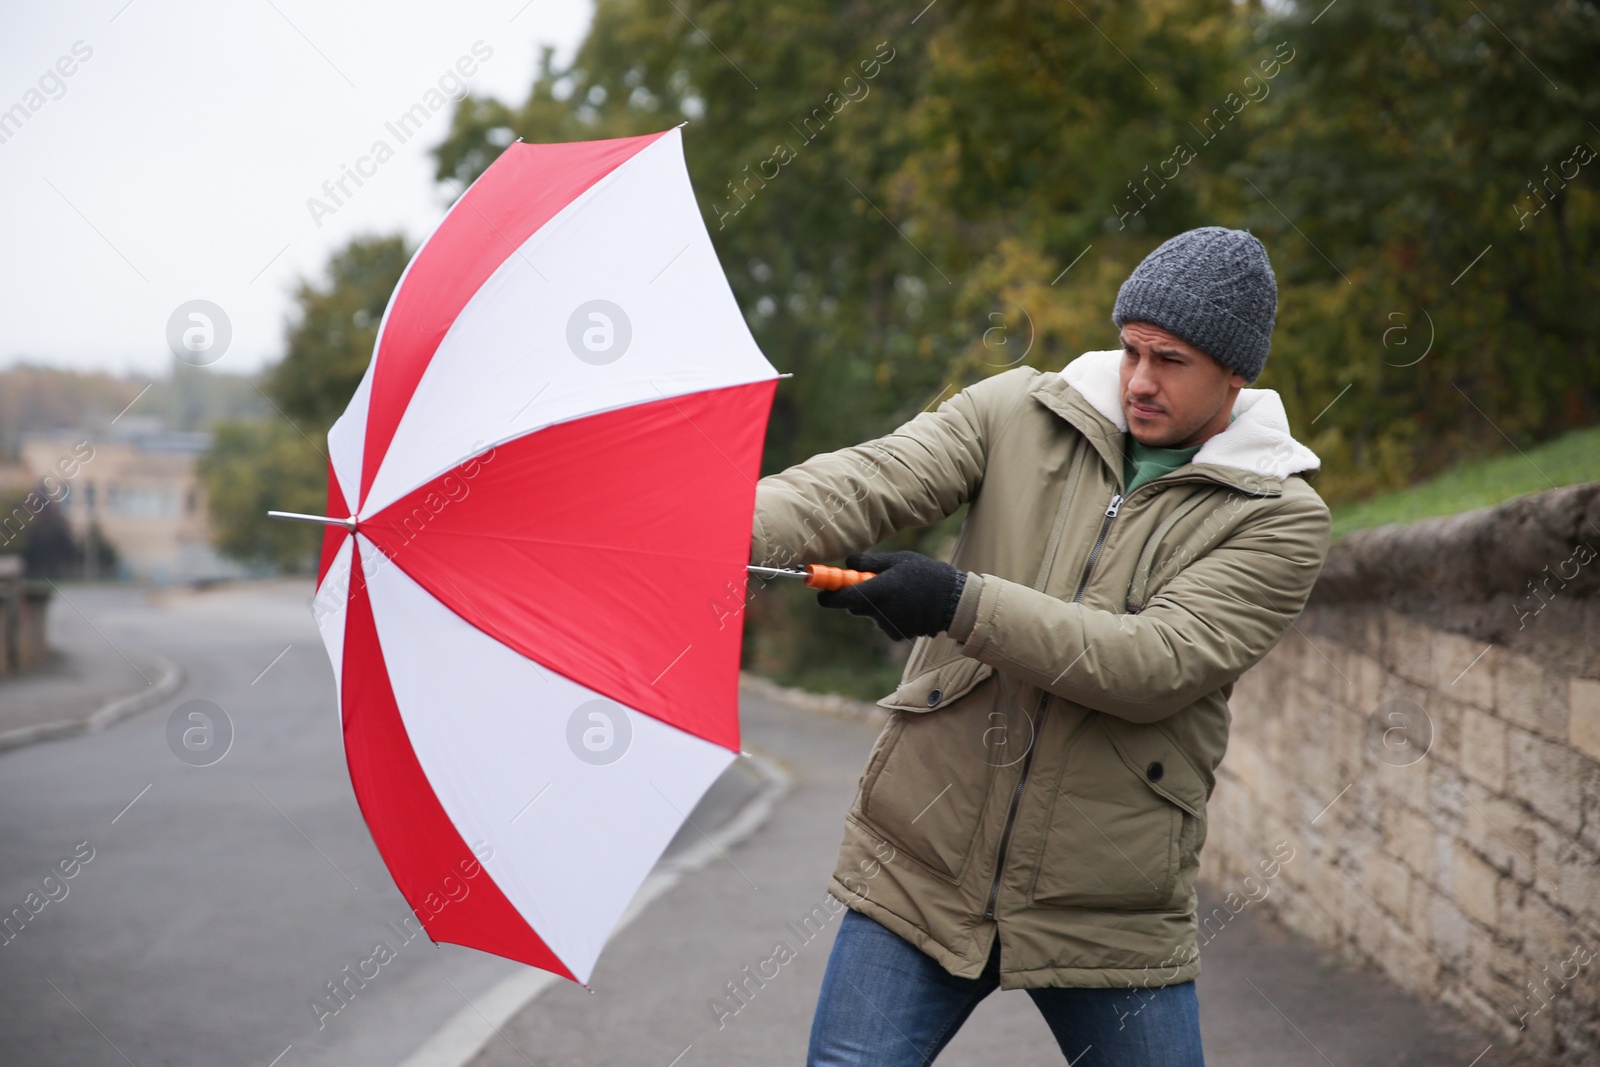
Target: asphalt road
209, 904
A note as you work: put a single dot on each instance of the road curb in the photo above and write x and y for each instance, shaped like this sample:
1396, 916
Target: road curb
170, 678
460, 1040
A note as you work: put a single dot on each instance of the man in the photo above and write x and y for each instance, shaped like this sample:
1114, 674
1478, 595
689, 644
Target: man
1031, 817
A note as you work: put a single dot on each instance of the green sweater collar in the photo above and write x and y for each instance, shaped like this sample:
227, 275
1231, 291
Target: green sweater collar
1144, 463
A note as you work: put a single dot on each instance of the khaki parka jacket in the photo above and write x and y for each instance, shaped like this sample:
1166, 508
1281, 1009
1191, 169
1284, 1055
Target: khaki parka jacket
1046, 765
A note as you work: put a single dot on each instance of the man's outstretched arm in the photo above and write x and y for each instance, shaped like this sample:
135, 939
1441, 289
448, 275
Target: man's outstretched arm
1205, 627
850, 500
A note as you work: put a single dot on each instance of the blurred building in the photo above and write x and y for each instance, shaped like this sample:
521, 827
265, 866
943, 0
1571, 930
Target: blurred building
134, 487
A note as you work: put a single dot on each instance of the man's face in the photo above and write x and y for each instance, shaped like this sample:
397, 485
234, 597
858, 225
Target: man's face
1173, 394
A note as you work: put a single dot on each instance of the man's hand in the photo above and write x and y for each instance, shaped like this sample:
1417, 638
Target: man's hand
912, 596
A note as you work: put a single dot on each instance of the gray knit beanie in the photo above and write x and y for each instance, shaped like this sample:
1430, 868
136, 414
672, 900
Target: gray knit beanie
1214, 288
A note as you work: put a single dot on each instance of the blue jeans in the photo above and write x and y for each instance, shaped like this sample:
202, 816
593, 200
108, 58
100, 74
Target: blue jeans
886, 1004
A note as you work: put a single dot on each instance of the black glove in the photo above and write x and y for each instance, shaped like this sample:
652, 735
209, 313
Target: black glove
912, 596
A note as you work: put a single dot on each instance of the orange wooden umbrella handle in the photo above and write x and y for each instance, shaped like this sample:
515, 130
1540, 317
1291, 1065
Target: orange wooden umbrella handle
821, 577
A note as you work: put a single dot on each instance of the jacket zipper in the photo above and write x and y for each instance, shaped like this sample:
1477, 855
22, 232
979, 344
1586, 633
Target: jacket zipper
1016, 799
1038, 721
1094, 553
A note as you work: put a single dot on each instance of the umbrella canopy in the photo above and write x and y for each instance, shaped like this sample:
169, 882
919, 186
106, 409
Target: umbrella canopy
533, 611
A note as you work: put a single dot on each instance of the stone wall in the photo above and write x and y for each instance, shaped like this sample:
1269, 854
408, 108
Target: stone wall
1427, 739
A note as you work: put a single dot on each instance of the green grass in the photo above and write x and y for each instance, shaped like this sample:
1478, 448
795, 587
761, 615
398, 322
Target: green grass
1567, 460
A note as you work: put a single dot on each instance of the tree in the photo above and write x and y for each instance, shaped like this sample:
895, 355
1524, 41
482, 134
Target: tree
258, 465
279, 461
1419, 150
49, 550
32, 526
331, 339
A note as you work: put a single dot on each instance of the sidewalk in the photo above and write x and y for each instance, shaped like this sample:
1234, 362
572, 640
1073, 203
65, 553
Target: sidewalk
89, 682
656, 980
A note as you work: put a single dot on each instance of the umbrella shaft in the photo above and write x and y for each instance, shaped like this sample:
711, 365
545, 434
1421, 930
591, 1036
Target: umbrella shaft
815, 575
777, 572
320, 520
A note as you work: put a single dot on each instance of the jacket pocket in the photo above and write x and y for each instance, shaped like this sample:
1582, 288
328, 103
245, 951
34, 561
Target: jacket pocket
936, 674
925, 791
1128, 811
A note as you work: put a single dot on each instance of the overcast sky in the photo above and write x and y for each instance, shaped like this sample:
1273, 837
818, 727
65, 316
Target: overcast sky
176, 160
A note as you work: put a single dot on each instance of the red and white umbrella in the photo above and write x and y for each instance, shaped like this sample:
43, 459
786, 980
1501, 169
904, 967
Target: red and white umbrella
533, 609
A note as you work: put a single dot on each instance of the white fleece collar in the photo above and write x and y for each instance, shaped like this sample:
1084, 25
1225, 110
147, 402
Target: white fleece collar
1257, 440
